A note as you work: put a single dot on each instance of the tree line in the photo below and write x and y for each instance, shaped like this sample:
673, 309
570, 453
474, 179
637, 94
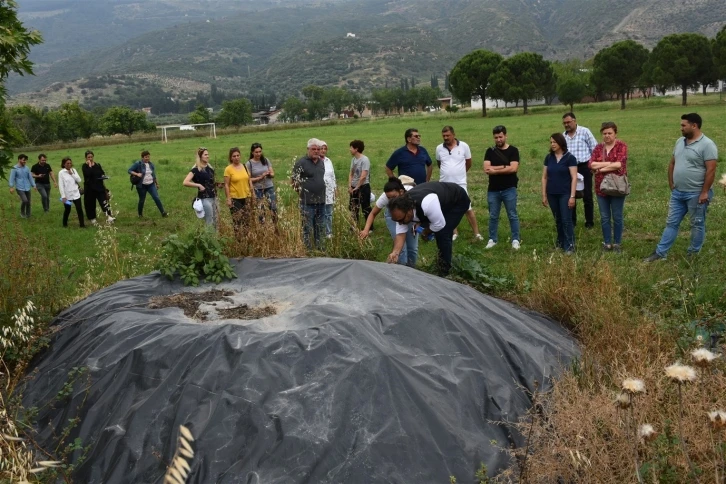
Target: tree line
679, 60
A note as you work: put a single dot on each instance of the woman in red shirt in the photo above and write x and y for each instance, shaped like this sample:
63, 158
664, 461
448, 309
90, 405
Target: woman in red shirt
610, 156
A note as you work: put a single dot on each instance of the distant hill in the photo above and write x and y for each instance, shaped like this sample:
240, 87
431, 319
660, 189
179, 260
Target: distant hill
286, 47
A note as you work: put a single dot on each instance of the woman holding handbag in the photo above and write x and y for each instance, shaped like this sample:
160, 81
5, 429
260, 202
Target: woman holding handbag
609, 164
70, 192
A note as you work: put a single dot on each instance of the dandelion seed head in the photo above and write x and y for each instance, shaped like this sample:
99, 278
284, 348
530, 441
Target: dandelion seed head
717, 418
622, 401
702, 357
681, 373
646, 432
633, 385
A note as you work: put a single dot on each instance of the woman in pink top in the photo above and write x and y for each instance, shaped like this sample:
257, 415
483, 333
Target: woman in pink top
610, 156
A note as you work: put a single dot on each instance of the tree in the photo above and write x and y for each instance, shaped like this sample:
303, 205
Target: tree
293, 109
200, 115
32, 124
522, 76
72, 122
15, 43
719, 53
681, 60
123, 120
428, 96
358, 102
313, 93
571, 90
619, 67
337, 99
237, 112
471, 76
316, 109
384, 99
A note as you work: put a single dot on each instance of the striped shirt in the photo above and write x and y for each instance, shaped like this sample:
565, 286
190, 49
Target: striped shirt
581, 144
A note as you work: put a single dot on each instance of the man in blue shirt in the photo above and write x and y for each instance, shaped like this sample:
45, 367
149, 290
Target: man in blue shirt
412, 159
22, 181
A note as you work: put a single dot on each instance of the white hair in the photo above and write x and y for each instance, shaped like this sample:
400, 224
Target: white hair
322, 143
314, 142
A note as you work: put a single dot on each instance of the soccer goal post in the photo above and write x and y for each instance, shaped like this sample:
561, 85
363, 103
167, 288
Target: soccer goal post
187, 127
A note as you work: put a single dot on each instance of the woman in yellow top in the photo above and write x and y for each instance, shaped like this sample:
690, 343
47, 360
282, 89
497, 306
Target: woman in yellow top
237, 187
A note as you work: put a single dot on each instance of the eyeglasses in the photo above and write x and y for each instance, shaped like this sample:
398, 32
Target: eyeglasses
415, 136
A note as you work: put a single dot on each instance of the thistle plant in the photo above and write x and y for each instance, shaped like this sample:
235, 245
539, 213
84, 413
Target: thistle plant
630, 388
717, 426
682, 374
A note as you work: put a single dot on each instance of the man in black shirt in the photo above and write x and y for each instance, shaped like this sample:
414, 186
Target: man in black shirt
436, 208
501, 163
308, 179
43, 174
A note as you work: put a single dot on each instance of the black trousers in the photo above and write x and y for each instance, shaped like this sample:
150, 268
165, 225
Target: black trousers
361, 199
67, 212
587, 198
445, 236
90, 197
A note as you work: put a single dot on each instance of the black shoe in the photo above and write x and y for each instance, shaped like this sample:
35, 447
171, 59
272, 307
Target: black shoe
607, 247
616, 248
164, 214
653, 257
589, 226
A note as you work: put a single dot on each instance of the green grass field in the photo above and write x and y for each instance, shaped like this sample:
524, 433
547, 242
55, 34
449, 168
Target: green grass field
650, 129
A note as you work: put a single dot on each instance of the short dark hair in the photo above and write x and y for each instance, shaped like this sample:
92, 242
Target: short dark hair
560, 140
693, 118
609, 125
22, 156
449, 129
408, 133
88, 152
145, 153
42, 155
500, 128
404, 203
63, 162
570, 115
393, 184
233, 151
358, 145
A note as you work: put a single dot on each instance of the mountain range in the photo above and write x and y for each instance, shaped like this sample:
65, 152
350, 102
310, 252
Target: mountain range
283, 45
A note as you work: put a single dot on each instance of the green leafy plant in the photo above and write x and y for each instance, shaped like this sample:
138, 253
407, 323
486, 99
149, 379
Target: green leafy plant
195, 256
475, 274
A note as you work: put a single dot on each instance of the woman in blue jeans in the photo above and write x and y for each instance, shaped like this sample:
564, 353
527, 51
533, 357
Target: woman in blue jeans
261, 174
610, 156
395, 187
147, 183
559, 182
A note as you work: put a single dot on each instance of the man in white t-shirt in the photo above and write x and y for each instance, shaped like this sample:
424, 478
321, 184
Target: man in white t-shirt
454, 159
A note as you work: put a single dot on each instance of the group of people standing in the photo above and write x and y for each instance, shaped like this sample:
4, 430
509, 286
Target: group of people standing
243, 184
413, 205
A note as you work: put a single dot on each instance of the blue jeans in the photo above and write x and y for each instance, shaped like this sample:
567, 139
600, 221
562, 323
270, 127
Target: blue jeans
313, 222
328, 216
495, 199
683, 203
409, 252
44, 190
151, 190
611, 218
563, 220
266, 198
210, 211
24, 203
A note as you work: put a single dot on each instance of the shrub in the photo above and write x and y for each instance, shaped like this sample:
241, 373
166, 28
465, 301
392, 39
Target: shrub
195, 256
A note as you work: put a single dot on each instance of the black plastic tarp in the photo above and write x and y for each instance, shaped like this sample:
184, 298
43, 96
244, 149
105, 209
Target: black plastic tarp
368, 373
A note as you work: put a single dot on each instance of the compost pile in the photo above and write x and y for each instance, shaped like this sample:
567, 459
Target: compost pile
299, 371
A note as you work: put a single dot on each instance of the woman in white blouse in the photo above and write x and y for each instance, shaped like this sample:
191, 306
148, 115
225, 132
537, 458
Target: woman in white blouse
69, 187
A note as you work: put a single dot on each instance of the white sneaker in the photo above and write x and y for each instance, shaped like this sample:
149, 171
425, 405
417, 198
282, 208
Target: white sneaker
515, 244
479, 237
456, 236
110, 220
94, 222
490, 244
